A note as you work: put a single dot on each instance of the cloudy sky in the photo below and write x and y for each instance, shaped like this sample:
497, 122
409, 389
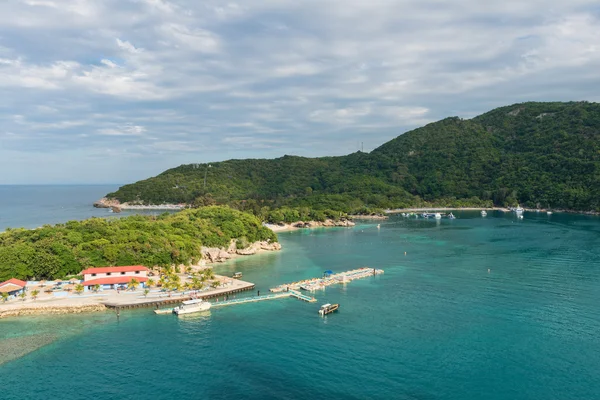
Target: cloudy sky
112, 91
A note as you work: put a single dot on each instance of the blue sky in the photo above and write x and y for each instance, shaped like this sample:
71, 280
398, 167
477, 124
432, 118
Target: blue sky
119, 90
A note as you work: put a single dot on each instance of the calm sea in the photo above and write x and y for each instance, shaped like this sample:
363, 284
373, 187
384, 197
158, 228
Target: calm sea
31, 206
477, 308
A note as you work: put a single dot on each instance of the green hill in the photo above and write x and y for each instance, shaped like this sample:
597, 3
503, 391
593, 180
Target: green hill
169, 239
545, 154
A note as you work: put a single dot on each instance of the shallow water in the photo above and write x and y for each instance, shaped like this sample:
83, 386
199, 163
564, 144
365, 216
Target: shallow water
436, 325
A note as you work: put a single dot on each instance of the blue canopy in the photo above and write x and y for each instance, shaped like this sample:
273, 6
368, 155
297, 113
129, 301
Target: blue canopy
328, 272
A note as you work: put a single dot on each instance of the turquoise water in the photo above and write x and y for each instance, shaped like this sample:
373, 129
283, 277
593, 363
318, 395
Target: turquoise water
436, 325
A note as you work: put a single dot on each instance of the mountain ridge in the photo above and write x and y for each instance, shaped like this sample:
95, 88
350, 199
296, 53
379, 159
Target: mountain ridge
536, 154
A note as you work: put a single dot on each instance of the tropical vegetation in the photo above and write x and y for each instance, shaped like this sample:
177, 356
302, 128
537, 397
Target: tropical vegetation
534, 154
62, 250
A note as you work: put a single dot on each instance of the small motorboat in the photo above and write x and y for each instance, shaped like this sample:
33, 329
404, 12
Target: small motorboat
237, 275
328, 309
549, 212
451, 216
483, 213
192, 306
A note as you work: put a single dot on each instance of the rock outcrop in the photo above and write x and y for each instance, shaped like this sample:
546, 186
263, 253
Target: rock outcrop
54, 309
213, 255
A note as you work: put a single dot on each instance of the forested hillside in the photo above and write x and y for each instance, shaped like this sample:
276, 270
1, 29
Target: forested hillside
170, 239
535, 154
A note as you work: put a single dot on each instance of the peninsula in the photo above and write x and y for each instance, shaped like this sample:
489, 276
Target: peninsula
537, 155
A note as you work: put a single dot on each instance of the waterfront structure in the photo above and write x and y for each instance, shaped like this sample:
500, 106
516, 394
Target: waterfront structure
114, 277
13, 287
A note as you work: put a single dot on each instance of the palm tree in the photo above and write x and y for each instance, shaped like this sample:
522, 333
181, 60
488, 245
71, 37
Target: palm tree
188, 270
34, 294
146, 291
4, 296
96, 288
209, 273
150, 282
215, 284
23, 295
196, 284
162, 282
79, 288
133, 283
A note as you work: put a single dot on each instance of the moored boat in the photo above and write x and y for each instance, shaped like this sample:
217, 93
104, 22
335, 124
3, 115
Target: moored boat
451, 216
237, 275
483, 213
192, 306
328, 309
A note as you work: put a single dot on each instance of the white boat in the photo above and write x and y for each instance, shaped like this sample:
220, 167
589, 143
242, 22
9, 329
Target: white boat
549, 212
328, 309
192, 306
519, 210
438, 216
520, 216
483, 213
451, 216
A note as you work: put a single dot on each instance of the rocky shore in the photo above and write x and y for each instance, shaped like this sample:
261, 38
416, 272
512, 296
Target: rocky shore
310, 224
370, 217
117, 206
34, 309
214, 255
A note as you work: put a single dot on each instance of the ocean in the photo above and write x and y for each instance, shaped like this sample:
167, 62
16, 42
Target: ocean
472, 308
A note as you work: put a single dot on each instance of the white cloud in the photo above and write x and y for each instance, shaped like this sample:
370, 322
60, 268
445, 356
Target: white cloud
127, 130
204, 80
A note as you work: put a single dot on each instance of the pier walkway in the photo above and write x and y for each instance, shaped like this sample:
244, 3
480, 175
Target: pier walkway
291, 293
249, 299
301, 296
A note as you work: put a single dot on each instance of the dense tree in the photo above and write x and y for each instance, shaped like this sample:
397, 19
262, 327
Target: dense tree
169, 239
545, 154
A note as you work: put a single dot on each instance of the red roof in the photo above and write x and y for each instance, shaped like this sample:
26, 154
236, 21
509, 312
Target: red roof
114, 280
103, 270
15, 281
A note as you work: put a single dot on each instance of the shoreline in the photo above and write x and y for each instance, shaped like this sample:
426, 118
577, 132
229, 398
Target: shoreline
502, 209
104, 300
295, 226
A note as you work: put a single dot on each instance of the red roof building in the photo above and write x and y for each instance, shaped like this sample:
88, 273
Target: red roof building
103, 270
117, 280
12, 286
109, 277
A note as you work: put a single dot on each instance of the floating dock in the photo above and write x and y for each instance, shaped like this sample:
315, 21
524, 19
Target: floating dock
321, 283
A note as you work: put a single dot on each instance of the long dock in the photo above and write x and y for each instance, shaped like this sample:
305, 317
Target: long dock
321, 283
249, 299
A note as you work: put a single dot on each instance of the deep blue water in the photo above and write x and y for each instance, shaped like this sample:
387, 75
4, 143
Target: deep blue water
436, 325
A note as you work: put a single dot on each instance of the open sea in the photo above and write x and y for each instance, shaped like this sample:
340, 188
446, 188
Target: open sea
472, 308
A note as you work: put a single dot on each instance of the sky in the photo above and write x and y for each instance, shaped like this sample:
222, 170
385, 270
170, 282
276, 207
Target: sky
104, 91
